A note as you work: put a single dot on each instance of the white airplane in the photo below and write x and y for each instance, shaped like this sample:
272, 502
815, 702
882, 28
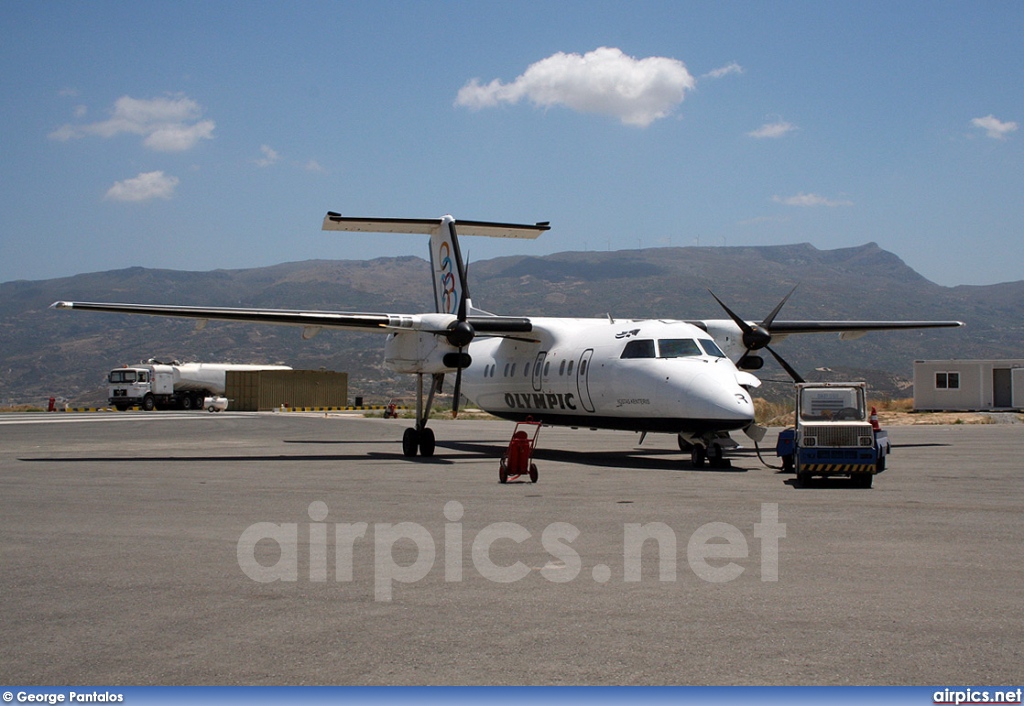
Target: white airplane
687, 378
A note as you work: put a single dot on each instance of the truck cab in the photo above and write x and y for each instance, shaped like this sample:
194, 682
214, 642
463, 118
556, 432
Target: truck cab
148, 387
833, 435
127, 386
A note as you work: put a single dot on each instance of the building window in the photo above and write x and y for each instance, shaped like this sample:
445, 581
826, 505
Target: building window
947, 381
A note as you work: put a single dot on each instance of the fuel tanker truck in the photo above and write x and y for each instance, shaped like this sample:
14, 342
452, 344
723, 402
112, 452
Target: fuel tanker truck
155, 385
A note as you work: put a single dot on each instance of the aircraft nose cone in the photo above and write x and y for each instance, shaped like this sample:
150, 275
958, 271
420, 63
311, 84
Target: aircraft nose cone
723, 399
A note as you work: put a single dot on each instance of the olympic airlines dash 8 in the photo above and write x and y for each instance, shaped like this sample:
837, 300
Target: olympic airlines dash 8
688, 378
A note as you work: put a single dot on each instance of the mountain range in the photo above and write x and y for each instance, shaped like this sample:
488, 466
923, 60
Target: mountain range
45, 352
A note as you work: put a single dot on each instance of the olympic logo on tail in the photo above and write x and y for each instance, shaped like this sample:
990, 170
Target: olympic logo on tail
448, 291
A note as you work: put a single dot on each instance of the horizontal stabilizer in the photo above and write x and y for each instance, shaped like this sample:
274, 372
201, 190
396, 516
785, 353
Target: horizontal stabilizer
427, 226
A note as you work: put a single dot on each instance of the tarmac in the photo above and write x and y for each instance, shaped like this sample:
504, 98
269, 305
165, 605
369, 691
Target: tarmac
195, 548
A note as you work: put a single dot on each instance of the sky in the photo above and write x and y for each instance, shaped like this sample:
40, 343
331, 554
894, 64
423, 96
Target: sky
216, 135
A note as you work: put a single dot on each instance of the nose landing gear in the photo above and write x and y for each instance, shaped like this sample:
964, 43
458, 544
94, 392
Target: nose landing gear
710, 452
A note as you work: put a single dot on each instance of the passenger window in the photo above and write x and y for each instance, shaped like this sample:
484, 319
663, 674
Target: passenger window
561, 368
637, 349
506, 369
583, 367
569, 371
547, 367
526, 371
513, 373
678, 348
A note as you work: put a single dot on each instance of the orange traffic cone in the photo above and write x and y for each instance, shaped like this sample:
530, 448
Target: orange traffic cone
874, 420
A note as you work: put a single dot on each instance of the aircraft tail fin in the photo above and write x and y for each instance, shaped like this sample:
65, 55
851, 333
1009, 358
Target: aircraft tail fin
451, 292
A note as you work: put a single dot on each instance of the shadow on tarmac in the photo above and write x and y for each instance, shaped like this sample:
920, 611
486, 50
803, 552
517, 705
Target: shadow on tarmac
633, 459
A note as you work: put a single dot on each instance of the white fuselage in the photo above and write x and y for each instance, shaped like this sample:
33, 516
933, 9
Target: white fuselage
647, 375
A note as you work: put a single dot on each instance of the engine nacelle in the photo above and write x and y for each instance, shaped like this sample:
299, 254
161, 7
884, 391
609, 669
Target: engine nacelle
421, 352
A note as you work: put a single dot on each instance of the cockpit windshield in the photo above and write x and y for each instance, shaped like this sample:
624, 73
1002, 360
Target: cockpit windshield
678, 348
711, 348
123, 376
671, 348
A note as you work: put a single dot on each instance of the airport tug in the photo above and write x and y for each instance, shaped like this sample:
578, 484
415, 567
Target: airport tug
833, 435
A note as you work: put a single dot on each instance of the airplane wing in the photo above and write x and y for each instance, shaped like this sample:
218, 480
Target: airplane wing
311, 320
850, 330
755, 336
739, 338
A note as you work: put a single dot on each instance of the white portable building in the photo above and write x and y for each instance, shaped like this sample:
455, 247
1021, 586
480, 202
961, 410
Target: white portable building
968, 385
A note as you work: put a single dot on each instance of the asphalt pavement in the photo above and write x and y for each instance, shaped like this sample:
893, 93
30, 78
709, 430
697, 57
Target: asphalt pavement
196, 548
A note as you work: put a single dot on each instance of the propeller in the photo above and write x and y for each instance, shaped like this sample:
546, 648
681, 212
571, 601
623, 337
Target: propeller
460, 334
758, 336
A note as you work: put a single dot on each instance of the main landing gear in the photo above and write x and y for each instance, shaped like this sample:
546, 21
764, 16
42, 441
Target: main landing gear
421, 439
704, 451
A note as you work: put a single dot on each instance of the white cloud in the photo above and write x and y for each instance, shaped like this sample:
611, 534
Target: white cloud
772, 130
732, 68
604, 81
146, 186
169, 124
803, 199
994, 128
314, 166
64, 133
270, 156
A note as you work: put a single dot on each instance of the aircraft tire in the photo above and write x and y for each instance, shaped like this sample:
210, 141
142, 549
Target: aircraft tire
697, 456
427, 442
410, 442
716, 456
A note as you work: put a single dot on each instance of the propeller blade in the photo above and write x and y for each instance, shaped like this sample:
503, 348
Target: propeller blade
457, 394
789, 368
744, 326
775, 312
757, 336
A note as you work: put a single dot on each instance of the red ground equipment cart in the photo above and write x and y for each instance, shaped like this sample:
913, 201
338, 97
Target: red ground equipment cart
518, 457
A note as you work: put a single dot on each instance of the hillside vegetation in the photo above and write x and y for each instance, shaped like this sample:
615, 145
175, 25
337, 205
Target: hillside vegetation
46, 352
